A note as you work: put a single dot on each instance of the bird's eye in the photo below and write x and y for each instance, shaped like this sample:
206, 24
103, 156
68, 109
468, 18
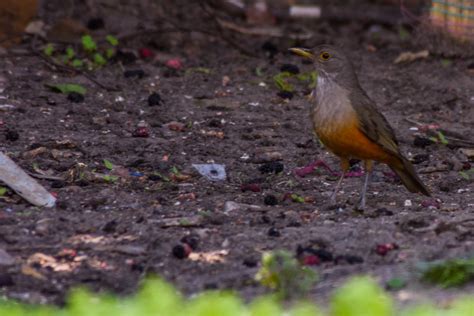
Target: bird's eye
324, 56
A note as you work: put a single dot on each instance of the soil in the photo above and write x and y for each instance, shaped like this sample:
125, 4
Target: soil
109, 233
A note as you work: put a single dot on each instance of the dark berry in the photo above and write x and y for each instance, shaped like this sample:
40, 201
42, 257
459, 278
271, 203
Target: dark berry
270, 200
75, 97
352, 259
270, 49
154, 177
288, 95
274, 232
322, 254
110, 227
420, 158
191, 240
125, 57
57, 184
11, 135
292, 69
250, 262
422, 142
254, 187
181, 251
145, 53
271, 167
135, 73
141, 132
95, 24
154, 99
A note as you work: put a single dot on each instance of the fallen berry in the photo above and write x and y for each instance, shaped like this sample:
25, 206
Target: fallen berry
191, 240
250, 262
274, 232
154, 99
292, 69
422, 142
383, 249
181, 251
95, 24
125, 57
287, 95
174, 63
270, 200
310, 260
254, 187
141, 132
75, 97
271, 167
137, 73
11, 135
145, 53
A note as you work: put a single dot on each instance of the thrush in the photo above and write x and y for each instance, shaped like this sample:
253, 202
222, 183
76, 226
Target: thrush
348, 122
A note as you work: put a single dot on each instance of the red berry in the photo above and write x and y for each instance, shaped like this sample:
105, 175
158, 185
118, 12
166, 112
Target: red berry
145, 53
174, 63
141, 132
254, 187
311, 260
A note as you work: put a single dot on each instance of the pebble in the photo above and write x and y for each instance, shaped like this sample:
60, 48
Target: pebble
5, 258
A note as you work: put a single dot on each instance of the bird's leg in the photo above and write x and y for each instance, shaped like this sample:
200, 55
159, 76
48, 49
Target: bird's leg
344, 166
368, 165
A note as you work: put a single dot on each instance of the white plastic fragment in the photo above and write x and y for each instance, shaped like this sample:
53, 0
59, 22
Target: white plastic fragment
407, 203
212, 171
24, 185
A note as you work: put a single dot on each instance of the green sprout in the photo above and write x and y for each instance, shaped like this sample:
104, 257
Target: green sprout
282, 273
49, 50
112, 40
108, 164
88, 43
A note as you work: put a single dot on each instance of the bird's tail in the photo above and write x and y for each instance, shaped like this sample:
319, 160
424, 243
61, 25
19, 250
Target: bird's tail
409, 178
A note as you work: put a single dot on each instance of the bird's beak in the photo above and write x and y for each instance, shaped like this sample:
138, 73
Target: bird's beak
303, 52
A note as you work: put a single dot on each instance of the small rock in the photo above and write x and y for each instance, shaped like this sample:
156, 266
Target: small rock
175, 126
231, 206
407, 203
287, 95
43, 226
225, 81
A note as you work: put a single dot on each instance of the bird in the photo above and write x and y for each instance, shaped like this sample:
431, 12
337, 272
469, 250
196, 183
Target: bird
349, 124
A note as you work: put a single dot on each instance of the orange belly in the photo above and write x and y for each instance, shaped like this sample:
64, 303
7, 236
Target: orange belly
349, 142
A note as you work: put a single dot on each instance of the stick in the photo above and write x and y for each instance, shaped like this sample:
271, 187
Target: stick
23, 184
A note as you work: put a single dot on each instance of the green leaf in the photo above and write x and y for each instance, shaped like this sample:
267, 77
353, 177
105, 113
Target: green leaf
403, 33
442, 138
70, 53
395, 284
49, 49
446, 62
109, 178
448, 273
361, 296
88, 43
281, 82
3, 190
112, 40
109, 53
109, 165
259, 71
67, 88
99, 59
77, 63
297, 198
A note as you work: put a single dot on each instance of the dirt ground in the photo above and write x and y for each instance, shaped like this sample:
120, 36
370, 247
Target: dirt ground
109, 234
